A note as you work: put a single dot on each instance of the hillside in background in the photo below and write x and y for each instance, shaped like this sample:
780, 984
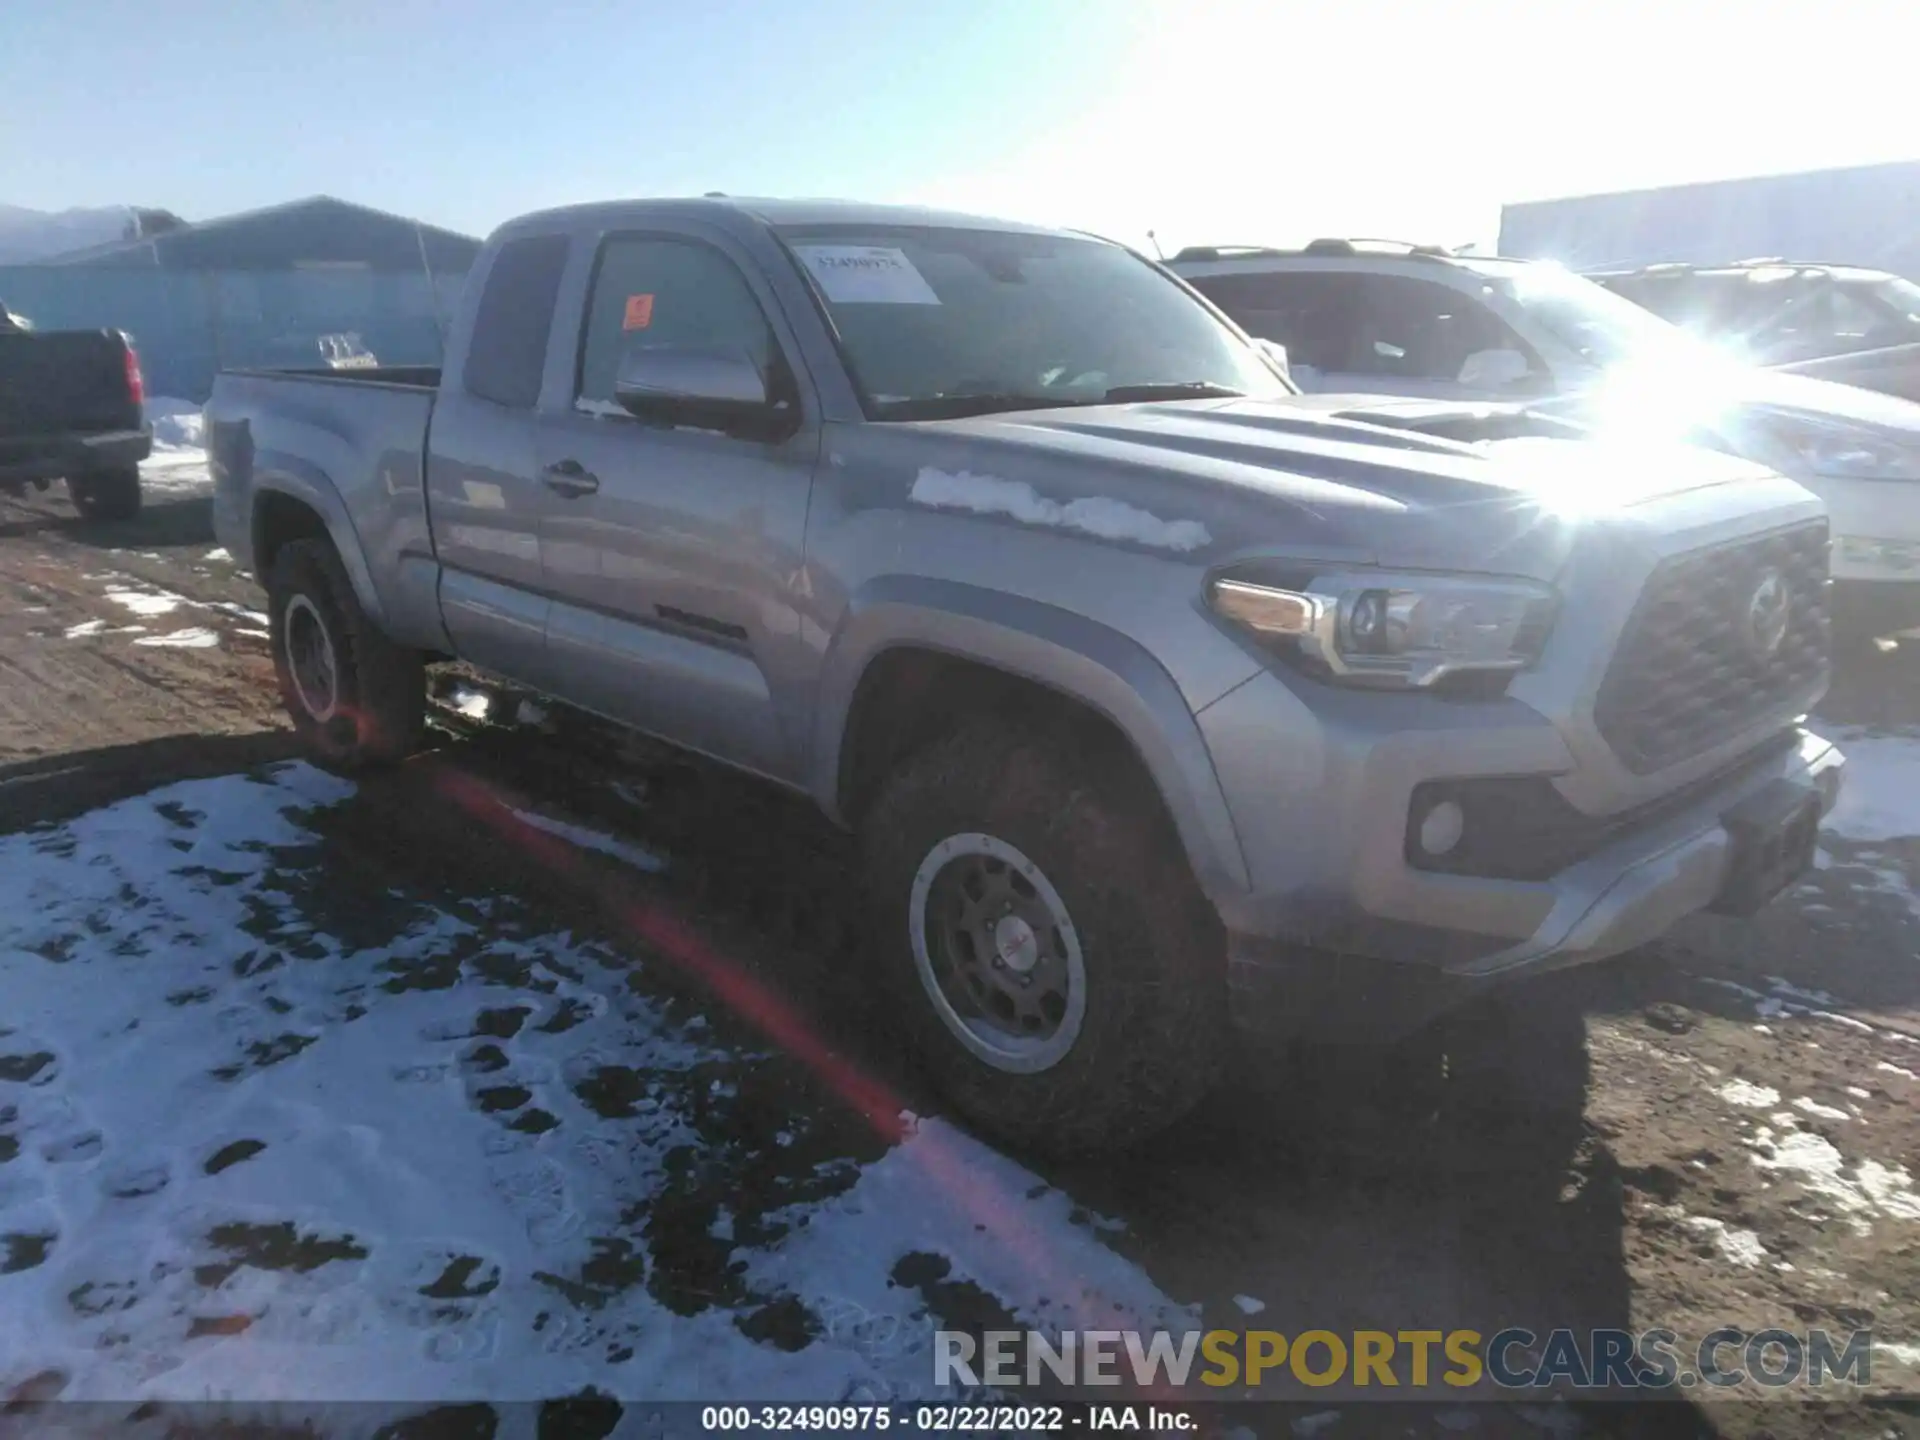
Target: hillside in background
30, 235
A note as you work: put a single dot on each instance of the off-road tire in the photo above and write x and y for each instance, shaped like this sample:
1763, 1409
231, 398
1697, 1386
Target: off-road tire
1155, 1027
380, 686
106, 494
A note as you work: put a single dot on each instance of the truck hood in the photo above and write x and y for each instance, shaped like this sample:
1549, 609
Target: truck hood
1404, 486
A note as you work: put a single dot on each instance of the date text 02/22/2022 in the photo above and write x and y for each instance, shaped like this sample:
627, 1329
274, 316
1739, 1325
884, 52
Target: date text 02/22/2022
942, 1419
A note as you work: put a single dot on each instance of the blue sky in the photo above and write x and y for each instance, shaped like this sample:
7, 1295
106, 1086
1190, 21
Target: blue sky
1212, 120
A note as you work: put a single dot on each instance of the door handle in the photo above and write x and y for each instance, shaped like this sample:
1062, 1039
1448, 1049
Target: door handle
570, 478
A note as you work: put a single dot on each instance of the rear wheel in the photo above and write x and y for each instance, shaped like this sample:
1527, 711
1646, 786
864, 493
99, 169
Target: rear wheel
106, 494
356, 698
1063, 979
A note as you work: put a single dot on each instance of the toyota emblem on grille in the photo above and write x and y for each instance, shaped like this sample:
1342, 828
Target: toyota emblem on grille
1768, 610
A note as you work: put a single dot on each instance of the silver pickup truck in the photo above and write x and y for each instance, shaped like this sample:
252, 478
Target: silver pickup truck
1163, 704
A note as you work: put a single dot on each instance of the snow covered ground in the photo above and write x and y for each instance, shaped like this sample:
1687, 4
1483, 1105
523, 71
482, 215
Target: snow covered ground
177, 468
266, 1135
177, 424
1880, 800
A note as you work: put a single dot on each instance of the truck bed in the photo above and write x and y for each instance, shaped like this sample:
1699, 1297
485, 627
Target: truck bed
350, 445
399, 377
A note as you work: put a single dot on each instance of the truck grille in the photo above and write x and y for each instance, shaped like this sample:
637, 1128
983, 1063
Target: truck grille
1699, 660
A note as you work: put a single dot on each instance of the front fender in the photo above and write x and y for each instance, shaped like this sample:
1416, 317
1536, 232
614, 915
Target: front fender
1081, 658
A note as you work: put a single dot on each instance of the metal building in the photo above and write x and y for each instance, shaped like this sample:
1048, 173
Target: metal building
1865, 215
279, 286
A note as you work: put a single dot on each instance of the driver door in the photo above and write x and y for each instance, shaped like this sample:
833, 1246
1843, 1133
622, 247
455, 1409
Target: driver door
672, 554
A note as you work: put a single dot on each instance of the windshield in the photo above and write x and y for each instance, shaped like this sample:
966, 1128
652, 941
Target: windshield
1902, 297
937, 321
1601, 327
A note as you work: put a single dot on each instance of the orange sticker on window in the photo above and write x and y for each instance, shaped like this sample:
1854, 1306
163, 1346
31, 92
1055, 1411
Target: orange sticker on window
639, 312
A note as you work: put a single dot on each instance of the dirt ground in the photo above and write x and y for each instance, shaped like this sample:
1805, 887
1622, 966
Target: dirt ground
1753, 1114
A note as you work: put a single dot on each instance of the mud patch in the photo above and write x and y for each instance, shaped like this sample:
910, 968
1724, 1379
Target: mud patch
30, 1069
466, 1277
444, 1422
264, 1054
786, 1324
955, 1304
227, 1156
271, 1247
25, 1250
496, 1098
615, 1267
211, 1325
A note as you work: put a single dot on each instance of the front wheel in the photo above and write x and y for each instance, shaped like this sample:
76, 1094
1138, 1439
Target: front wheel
1063, 978
356, 698
106, 494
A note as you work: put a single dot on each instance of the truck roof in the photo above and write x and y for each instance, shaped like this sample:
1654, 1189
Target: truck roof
1765, 267
730, 211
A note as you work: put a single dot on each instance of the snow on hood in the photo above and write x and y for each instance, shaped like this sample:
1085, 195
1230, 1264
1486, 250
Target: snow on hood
1207, 477
1298, 451
1095, 515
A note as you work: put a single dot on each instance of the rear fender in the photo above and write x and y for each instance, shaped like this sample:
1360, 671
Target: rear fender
283, 474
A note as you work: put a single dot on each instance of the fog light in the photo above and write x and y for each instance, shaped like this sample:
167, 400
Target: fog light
1441, 827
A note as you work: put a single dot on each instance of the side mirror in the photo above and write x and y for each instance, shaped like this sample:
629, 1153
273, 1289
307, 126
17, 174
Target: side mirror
1276, 354
1495, 369
678, 385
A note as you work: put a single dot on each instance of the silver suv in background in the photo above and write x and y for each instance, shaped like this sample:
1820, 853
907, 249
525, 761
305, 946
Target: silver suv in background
1360, 316
1832, 322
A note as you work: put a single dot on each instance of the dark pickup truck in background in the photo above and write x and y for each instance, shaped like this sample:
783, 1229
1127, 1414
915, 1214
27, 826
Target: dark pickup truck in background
71, 408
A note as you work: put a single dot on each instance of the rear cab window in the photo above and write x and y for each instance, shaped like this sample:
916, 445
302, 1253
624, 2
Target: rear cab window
508, 348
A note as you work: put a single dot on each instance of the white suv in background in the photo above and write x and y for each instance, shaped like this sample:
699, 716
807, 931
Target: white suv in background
1380, 317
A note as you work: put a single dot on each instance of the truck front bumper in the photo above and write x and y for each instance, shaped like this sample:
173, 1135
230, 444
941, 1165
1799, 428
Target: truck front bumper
1342, 925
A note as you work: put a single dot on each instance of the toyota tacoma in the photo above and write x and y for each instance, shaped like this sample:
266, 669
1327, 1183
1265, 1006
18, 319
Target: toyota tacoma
1163, 705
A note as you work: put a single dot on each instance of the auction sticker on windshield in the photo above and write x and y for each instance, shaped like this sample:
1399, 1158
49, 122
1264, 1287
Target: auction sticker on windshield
866, 275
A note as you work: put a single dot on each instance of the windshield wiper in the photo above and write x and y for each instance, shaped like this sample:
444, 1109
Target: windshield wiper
954, 407
1171, 390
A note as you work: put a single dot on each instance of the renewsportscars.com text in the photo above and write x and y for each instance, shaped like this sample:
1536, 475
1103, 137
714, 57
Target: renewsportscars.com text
1511, 1359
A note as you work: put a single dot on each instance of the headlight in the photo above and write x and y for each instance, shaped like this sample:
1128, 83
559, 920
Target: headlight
1396, 631
1851, 454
